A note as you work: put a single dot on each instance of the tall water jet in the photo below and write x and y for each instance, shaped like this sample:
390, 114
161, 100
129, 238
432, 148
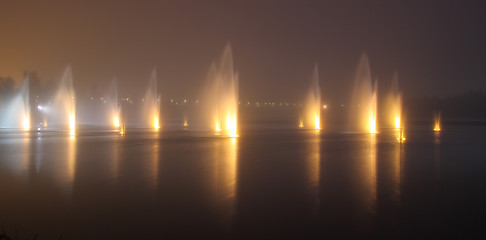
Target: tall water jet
437, 122
63, 109
152, 103
222, 95
313, 104
114, 104
364, 100
395, 104
17, 111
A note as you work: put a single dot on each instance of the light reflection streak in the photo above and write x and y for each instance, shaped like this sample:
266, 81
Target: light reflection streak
71, 154
314, 168
397, 165
115, 159
153, 170
372, 173
437, 155
225, 176
26, 152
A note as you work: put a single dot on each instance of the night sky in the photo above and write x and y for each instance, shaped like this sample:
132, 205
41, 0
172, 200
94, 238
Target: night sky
437, 47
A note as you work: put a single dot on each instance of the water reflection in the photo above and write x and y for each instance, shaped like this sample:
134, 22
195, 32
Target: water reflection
371, 162
397, 166
314, 168
224, 177
437, 155
153, 164
115, 159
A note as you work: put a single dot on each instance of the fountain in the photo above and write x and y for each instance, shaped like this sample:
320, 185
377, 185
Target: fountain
17, 111
222, 96
395, 104
437, 122
313, 104
115, 106
364, 101
63, 109
152, 103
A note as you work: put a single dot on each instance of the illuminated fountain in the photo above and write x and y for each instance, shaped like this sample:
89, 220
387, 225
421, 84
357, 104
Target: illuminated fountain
364, 99
115, 106
63, 109
186, 123
152, 103
17, 111
222, 95
395, 104
313, 104
437, 122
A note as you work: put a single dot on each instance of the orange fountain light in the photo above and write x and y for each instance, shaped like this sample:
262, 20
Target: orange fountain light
116, 121
317, 121
156, 123
397, 122
72, 124
372, 123
437, 122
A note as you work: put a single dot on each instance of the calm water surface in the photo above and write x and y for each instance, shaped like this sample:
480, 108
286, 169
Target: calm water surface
264, 184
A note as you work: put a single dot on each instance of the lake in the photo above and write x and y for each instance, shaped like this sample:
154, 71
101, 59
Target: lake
278, 183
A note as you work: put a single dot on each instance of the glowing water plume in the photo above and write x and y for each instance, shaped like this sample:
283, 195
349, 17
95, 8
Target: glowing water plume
222, 95
152, 103
394, 104
186, 123
401, 135
122, 130
115, 106
437, 122
373, 110
364, 99
301, 124
64, 109
313, 104
24, 93
16, 113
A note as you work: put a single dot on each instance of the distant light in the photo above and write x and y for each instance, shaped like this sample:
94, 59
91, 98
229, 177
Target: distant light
185, 100
40, 107
324, 106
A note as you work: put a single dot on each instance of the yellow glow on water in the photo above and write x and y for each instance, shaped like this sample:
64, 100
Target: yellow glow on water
401, 135
301, 124
397, 122
231, 126
122, 130
156, 123
116, 121
218, 127
26, 123
372, 123
186, 124
72, 124
317, 121
437, 122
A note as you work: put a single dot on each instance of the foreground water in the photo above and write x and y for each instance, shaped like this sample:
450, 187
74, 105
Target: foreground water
279, 183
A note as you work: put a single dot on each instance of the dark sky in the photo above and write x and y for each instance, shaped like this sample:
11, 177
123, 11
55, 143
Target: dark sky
437, 47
